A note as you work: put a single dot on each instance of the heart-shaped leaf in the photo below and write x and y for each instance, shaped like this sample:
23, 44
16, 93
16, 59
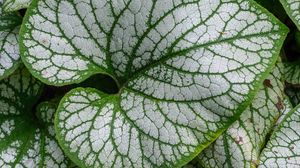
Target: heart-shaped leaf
283, 148
14, 5
186, 70
9, 47
292, 8
241, 144
25, 142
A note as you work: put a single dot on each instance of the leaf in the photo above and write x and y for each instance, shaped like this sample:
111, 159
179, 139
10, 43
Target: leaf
241, 144
283, 148
179, 90
292, 8
24, 141
9, 48
14, 5
292, 73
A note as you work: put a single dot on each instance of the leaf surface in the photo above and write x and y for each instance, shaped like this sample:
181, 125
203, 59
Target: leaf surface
240, 145
24, 141
9, 47
186, 70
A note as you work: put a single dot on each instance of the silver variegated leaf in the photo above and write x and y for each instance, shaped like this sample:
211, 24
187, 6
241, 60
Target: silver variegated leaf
186, 69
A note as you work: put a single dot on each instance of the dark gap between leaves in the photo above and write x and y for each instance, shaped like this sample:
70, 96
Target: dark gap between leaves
100, 82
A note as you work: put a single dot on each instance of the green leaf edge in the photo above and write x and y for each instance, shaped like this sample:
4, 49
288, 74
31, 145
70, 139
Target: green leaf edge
182, 162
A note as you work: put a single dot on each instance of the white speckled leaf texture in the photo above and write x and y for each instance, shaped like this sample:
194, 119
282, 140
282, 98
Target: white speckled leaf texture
186, 70
292, 8
9, 47
25, 142
14, 5
282, 151
240, 145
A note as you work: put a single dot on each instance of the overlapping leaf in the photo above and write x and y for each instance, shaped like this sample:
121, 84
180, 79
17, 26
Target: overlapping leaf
283, 148
240, 145
14, 5
275, 7
292, 8
9, 48
25, 142
186, 68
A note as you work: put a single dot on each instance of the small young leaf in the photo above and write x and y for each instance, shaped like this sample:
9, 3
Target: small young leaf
9, 47
292, 8
292, 73
14, 5
240, 145
25, 142
283, 148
